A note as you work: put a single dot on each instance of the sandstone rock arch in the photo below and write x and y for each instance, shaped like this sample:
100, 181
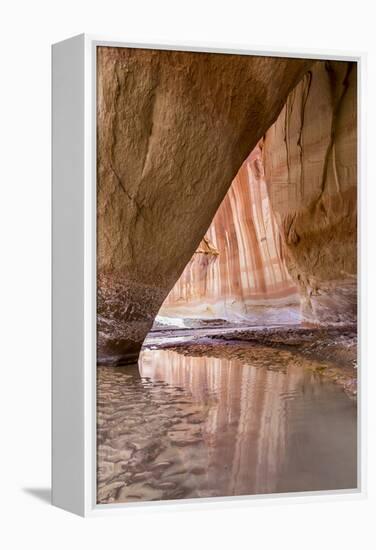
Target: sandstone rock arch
173, 130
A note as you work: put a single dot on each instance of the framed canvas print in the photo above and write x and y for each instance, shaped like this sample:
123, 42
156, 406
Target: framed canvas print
206, 304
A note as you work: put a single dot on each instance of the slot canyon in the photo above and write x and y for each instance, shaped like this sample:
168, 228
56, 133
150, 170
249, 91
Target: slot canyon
226, 271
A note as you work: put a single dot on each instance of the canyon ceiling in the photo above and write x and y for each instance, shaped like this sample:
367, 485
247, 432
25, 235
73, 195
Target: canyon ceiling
174, 129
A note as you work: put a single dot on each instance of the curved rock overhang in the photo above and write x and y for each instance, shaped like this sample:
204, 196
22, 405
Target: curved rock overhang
173, 130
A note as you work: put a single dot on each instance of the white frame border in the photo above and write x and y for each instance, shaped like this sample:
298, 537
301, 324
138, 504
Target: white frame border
91, 508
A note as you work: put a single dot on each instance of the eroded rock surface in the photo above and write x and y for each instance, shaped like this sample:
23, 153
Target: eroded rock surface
310, 160
173, 131
238, 272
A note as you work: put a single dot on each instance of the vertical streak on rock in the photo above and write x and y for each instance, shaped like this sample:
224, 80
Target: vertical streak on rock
318, 219
308, 78
247, 270
337, 95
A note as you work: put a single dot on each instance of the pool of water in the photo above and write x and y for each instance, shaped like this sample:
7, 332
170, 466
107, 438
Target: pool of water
179, 426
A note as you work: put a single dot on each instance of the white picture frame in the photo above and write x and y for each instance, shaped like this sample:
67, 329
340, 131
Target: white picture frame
74, 278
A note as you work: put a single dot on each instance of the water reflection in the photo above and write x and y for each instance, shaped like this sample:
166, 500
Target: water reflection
206, 426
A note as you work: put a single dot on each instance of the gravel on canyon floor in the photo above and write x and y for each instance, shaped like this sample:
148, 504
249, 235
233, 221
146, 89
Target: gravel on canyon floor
331, 351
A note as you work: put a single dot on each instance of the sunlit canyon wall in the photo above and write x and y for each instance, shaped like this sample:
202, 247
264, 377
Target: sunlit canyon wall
173, 129
288, 221
239, 272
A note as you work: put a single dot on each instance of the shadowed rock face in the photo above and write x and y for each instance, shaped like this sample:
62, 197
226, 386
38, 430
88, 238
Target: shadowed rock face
311, 171
173, 131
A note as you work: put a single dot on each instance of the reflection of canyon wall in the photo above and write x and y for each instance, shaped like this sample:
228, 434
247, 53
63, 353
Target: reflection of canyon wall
245, 427
310, 159
173, 130
239, 269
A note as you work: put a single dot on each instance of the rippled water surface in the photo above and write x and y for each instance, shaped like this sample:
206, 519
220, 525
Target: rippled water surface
183, 427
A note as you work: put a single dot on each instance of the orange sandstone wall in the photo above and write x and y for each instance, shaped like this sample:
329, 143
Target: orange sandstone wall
310, 159
238, 271
290, 216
